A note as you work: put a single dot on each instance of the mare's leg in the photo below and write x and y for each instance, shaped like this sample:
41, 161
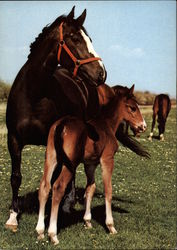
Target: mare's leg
70, 196
15, 149
153, 124
58, 193
89, 192
107, 165
45, 186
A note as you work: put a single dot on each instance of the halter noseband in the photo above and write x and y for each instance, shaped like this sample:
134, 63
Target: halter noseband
77, 62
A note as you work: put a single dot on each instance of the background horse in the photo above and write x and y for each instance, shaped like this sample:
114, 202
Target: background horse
161, 109
40, 94
69, 144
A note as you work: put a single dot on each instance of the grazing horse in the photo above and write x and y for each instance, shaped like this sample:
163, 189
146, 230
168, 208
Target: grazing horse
69, 143
161, 109
43, 92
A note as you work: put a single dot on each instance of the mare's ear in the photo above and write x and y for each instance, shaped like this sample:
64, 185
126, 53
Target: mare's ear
80, 20
131, 90
70, 16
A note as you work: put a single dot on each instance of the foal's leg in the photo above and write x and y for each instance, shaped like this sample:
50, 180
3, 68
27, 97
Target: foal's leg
45, 186
107, 165
89, 192
58, 193
15, 149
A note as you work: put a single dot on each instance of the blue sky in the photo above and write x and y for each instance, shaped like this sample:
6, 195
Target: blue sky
135, 39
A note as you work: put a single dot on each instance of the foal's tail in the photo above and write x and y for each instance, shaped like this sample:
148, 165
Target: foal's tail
58, 142
131, 143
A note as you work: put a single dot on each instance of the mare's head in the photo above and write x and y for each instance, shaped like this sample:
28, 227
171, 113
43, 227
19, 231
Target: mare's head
67, 43
130, 112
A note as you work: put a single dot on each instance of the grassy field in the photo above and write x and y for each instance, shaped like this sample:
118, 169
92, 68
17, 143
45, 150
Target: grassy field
144, 198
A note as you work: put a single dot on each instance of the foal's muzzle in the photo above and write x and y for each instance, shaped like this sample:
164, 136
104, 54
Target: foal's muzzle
142, 127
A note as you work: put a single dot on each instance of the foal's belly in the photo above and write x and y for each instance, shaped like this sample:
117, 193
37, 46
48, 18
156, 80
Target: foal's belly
92, 152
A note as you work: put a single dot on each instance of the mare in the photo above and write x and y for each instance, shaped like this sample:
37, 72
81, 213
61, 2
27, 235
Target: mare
161, 109
41, 93
69, 144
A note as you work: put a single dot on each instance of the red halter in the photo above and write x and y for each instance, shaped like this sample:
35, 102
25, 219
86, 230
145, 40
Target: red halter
77, 62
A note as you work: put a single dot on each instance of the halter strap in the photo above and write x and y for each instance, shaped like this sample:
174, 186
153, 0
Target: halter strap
77, 62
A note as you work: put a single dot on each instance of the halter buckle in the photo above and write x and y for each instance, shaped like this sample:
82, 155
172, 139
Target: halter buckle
62, 43
77, 63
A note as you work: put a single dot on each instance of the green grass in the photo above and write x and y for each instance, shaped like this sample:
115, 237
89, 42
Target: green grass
144, 198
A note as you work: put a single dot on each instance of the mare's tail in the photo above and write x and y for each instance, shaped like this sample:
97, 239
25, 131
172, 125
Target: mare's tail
130, 142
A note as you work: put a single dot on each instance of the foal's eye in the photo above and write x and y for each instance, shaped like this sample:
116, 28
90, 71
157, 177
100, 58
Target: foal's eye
133, 109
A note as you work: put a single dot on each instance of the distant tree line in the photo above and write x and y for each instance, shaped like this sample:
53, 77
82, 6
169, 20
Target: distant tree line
4, 91
143, 98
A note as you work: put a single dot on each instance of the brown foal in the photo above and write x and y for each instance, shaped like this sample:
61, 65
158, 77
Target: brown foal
69, 144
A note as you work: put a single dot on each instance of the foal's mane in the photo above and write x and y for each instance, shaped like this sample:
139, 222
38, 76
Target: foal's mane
45, 31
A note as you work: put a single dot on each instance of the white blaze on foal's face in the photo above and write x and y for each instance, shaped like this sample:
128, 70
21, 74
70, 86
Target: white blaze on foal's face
90, 48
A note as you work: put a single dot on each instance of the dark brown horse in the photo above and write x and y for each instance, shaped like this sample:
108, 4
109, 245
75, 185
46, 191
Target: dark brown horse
69, 144
161, 109
43, 92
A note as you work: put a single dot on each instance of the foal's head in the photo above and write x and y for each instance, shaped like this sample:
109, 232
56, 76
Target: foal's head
130, 111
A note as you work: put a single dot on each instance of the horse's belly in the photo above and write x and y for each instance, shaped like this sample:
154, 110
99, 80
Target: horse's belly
32, 131
92, 152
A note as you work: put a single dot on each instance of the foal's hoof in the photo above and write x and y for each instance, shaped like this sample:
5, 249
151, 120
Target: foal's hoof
40, 236
53, 238
13, 228
150, 138
112, 229
88, 224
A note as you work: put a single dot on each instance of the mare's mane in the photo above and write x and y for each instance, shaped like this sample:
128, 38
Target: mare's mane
45, 31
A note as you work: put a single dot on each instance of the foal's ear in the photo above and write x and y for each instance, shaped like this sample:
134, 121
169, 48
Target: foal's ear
131, 90
80, 20
70, 16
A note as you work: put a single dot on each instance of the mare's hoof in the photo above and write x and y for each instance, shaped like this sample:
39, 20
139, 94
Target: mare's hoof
13, 228
88, 224
150, 138
12, 222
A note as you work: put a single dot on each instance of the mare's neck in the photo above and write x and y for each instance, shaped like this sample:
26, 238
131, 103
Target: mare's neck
44, 61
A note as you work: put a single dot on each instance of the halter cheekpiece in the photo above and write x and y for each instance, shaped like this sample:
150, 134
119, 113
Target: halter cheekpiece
77, 62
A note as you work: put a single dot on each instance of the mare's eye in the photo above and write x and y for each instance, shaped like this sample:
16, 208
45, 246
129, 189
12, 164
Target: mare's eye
74, 37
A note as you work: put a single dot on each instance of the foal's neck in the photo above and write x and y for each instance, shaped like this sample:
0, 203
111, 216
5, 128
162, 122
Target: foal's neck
112, 113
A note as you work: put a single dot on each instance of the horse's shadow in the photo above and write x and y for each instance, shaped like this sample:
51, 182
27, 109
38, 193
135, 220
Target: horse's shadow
29, 204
